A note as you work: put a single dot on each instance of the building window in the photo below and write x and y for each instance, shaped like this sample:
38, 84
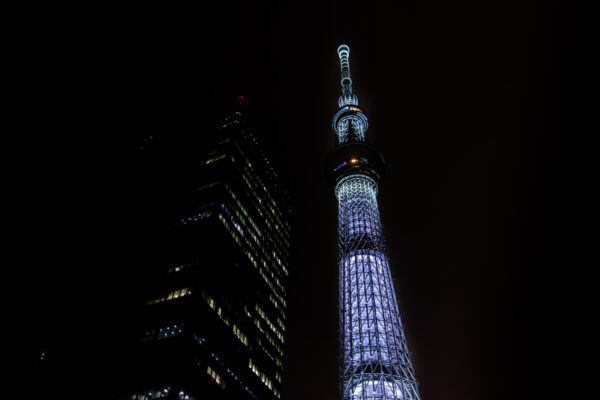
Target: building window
215, 377
172, 295
152, 394
163, 333
264, 378
213, 159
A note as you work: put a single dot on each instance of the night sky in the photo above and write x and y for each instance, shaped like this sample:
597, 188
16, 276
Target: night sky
464, 101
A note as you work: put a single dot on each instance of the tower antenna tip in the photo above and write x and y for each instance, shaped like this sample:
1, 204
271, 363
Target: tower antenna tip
343, 48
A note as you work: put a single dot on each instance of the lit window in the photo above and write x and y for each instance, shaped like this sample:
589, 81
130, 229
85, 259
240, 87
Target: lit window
163, 333
211, 160
172, 295
215, 377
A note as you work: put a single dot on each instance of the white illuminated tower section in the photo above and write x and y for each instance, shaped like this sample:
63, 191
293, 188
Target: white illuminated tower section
375, 361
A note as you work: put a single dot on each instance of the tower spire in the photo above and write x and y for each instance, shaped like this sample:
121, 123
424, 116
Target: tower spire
350, 122
347, 97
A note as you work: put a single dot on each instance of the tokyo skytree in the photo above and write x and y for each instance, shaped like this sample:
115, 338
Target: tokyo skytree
375, 362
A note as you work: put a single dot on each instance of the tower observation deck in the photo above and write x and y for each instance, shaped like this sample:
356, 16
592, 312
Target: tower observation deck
375, 362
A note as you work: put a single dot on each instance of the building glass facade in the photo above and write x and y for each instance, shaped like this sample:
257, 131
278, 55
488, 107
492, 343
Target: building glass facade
214, 324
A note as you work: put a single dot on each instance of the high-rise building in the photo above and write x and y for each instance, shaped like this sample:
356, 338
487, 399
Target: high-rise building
214, 324
375, 361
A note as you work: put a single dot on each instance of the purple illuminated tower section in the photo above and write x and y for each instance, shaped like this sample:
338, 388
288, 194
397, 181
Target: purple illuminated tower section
375, 361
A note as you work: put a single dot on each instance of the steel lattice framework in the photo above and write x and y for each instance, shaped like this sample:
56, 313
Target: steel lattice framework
375, 361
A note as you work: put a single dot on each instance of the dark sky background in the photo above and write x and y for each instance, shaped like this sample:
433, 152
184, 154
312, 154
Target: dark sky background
465, 101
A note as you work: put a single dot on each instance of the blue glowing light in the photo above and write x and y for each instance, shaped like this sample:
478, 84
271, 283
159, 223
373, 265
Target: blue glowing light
341, 165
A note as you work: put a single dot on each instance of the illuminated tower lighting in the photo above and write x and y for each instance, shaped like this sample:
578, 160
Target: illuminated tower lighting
375, 362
